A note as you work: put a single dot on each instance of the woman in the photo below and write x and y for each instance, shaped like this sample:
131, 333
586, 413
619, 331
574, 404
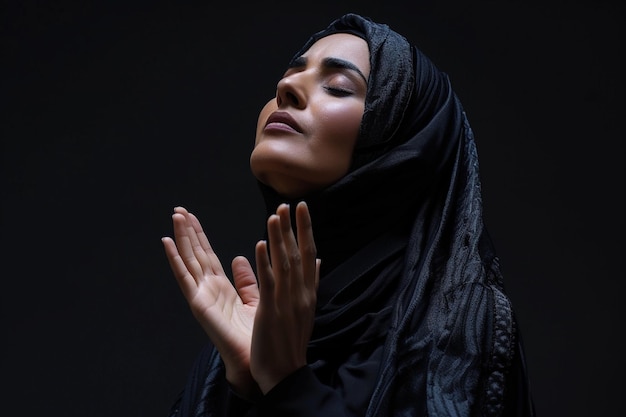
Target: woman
379, 293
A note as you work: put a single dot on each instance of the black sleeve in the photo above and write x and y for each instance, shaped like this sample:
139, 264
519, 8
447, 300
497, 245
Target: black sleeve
301, 394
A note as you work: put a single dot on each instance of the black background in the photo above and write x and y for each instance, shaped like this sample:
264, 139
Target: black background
114, 114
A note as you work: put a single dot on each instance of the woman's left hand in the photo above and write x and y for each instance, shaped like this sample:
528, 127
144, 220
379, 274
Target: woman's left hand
288, 279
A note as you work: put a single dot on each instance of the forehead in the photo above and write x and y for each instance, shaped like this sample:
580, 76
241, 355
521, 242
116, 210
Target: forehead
341, 45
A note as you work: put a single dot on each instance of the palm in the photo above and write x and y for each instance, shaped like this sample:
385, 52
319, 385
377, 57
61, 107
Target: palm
225, 312
222, 313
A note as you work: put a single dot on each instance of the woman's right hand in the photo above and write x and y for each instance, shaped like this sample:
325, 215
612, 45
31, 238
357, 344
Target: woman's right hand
288, 278
226, 313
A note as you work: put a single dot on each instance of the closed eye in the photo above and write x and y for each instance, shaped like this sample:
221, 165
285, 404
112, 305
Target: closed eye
338, 92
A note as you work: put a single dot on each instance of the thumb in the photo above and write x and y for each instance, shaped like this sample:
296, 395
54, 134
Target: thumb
245, 280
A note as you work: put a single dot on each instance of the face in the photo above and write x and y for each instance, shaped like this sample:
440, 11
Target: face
306, 135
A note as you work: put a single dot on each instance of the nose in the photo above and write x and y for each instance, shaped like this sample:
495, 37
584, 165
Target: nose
290, 92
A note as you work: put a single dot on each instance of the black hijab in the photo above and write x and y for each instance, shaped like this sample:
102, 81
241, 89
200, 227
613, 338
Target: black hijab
407, 265
405, 254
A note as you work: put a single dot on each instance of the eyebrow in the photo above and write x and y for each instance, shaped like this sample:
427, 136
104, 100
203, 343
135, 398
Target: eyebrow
330, 62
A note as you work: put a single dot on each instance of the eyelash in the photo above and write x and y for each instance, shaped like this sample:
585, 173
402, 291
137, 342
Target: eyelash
338, 92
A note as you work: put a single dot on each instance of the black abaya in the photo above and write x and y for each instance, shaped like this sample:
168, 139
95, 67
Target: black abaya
412, 317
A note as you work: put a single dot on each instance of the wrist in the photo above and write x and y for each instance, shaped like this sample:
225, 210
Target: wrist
242, 383
267, 381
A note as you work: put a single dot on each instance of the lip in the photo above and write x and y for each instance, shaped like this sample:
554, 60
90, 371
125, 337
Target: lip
282, 120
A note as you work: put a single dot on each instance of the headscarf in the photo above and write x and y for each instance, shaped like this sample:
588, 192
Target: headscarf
405, 252
407, 263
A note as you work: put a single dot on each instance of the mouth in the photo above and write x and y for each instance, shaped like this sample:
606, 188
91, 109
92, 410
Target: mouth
280, 120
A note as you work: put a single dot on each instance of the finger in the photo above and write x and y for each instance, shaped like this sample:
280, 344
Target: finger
318, 266
291, 248
280, 265
306, 246
185, 280
193, 229
245, 280
285, 225
200, 244
185, 246
264, 271
203, 242
202, 238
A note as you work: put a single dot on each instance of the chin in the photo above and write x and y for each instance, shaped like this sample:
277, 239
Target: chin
286, 175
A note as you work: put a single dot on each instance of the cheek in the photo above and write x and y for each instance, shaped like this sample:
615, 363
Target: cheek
341, 126
336, 139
